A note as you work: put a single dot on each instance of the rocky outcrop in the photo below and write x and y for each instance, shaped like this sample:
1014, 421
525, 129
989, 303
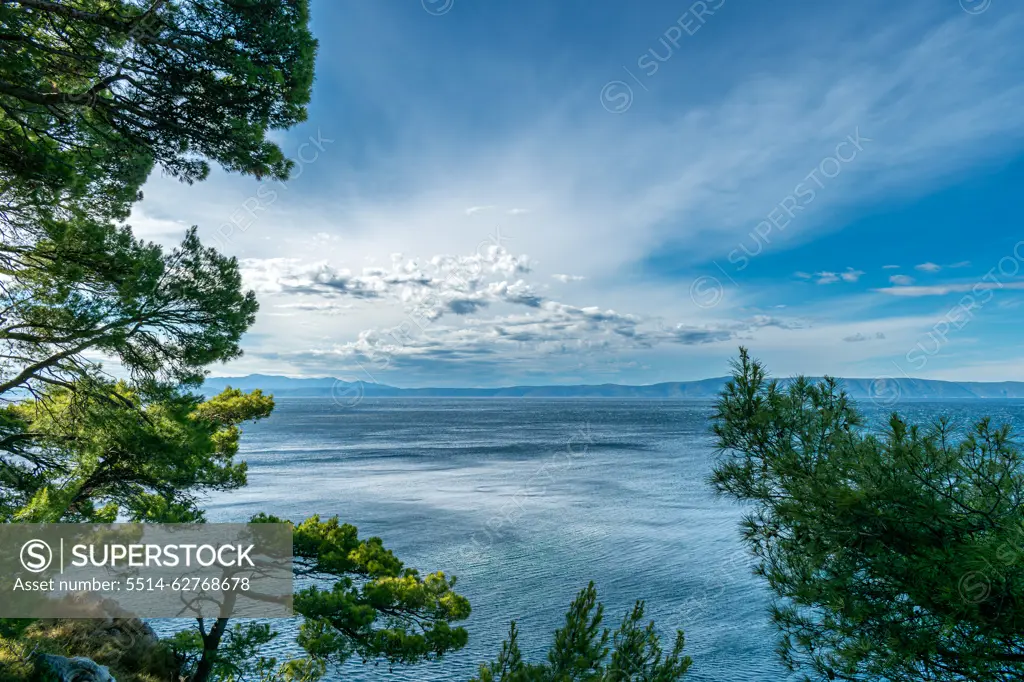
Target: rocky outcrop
78, 669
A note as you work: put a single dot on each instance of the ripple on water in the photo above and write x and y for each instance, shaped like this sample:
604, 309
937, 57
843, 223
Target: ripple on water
510, 497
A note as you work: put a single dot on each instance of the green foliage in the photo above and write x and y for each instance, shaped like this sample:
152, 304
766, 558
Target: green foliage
105, 453
93, 92
580, 652
93, 95
376, 608
896, 555
77, 287
362, 602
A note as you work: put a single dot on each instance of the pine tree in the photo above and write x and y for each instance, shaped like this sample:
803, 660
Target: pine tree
894, 555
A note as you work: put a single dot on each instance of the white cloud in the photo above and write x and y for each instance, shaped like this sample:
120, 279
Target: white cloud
854, 338
826, 277
553, 329
435, 287
943, 289
568, 278
928, 267
901, 280
462, 287
317, 306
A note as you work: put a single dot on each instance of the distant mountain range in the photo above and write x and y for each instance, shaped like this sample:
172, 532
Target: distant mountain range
882, 390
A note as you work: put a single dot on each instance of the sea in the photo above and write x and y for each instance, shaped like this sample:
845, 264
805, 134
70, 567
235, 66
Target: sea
526, 501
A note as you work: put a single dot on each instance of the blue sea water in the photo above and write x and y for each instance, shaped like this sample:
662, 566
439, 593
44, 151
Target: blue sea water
525, 501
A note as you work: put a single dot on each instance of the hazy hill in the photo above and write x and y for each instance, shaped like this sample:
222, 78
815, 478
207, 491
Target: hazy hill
704, 389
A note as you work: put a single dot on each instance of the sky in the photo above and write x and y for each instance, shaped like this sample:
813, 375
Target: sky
536, 192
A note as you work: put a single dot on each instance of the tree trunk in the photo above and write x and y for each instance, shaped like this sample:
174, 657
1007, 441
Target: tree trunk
211, 641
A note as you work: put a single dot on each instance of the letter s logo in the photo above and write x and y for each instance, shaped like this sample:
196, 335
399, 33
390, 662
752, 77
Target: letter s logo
36, 556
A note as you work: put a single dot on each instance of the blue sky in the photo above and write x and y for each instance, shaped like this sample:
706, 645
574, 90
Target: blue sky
564, 192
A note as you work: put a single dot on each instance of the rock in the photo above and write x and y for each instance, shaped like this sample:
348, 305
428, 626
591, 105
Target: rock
75, 669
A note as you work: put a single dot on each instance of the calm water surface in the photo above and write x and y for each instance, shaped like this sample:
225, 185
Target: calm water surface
526, 500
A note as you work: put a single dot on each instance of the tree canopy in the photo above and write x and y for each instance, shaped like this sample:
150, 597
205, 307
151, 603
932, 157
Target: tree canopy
84, 292
359, 601
101, 455
82, 287
580, 651
895, 554
94, 92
